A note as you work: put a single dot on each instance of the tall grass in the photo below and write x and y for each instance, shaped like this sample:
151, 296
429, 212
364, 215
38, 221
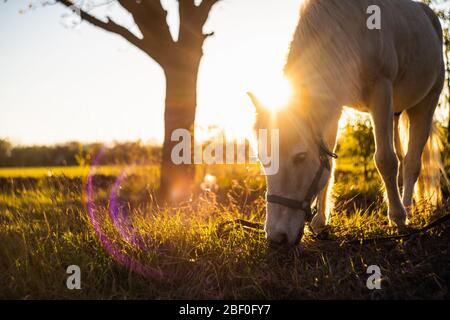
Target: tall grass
45, 227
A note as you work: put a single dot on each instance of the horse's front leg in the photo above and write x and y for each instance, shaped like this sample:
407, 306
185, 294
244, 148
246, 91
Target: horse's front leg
381, 110
322, 216
324, 202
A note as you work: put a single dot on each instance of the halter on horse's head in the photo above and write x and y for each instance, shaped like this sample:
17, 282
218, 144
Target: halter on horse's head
305, 204
304, 169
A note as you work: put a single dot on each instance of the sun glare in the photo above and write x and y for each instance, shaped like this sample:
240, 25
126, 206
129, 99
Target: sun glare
275, 93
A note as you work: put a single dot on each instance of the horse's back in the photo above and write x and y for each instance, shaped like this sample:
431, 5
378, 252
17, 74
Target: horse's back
408, 45
333, 41
434, 21
417, 39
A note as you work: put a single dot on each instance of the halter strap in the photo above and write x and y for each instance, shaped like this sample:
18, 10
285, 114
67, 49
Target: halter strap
292, 204
305, 205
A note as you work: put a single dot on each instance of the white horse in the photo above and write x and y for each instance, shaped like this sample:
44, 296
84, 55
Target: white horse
335, 60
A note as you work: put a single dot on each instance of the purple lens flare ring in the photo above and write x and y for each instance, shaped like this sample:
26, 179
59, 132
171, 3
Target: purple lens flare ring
125, 231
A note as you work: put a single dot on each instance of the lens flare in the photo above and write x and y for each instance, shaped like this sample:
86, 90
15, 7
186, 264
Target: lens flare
126, 232
274, 94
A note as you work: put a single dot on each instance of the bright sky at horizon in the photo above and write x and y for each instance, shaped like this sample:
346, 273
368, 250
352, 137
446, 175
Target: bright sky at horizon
60, 84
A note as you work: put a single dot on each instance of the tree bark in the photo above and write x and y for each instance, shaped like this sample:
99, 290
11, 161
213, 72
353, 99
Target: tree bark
177, 181
180, 61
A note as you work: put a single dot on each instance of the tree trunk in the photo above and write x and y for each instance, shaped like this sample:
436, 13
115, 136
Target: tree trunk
177, 181
180, 61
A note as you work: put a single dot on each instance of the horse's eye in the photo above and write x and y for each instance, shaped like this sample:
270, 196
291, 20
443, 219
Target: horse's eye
300, 157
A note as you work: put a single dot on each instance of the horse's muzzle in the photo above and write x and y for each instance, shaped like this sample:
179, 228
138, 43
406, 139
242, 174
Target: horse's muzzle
281, 240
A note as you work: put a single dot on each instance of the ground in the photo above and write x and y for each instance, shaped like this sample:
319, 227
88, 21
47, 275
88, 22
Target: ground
186, 253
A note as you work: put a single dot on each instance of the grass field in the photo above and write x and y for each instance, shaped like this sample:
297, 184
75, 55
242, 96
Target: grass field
69, 172
183, 253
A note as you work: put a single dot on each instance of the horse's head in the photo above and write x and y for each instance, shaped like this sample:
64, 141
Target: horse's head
304, 169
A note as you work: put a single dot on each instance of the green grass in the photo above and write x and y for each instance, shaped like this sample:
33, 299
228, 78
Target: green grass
45, 227
69, 172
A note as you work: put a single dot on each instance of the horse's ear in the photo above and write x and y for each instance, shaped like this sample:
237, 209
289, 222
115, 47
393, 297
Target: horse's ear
259, 108
261, 111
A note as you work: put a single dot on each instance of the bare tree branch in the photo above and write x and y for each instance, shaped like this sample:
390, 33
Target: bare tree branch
109, 25
192, 20
150, 17
206, 6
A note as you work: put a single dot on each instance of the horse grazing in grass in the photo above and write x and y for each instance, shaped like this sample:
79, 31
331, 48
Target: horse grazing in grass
336, 60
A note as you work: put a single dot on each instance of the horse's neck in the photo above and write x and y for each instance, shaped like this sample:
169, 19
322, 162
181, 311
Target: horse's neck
324, 119
325, 52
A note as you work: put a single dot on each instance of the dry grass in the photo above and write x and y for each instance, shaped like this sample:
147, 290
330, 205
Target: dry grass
45, 227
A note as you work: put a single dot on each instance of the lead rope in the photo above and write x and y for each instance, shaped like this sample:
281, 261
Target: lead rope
422, 230
256, 227
259, 228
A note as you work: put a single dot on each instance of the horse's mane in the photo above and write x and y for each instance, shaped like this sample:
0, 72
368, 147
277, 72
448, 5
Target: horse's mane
325, 51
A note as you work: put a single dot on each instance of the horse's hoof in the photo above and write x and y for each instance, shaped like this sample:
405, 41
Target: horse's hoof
398, 221
408, 221
323, 235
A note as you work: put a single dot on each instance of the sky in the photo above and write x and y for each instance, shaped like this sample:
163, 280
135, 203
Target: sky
60, 83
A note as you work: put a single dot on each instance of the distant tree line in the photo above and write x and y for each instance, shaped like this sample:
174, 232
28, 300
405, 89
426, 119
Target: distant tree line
75, 154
